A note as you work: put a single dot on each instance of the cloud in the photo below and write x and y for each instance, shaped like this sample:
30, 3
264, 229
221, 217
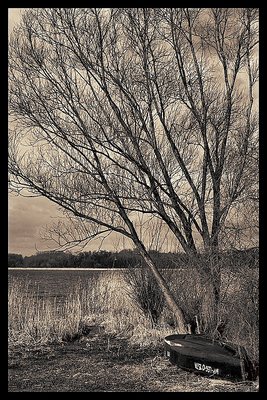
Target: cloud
14, 17
26, 216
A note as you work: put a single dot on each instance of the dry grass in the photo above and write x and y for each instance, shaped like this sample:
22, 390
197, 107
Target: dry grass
106, 301
33, 319
105, 363
40, 320
131, 344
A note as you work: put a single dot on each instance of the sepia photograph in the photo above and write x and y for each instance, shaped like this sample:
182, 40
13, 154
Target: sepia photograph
133, 200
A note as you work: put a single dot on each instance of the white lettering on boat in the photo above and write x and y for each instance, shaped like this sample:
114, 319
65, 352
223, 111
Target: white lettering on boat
206, 368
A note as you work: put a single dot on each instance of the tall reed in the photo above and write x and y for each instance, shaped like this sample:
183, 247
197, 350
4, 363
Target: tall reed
106, 300
100, 300
39, 319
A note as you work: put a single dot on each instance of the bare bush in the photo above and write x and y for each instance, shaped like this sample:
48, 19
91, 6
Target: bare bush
145, 293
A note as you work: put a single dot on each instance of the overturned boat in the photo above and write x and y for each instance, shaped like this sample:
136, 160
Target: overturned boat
212, 358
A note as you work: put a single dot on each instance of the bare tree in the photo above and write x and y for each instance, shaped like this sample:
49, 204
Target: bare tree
117, 113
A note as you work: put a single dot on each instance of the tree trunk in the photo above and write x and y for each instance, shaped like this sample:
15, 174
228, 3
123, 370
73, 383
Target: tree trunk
177, 311
210, 276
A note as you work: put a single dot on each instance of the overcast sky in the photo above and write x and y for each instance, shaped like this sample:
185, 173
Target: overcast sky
27, 216
13, 17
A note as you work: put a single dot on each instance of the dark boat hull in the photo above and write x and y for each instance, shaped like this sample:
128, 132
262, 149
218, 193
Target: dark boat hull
198, 354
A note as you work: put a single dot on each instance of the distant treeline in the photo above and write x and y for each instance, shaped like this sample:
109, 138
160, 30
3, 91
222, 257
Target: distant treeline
125, 259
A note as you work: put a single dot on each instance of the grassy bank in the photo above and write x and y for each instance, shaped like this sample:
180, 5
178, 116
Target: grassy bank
100, 302
106, 363
109, 302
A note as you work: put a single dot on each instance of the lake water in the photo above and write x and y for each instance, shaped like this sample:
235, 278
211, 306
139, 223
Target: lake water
58, 282
48, 282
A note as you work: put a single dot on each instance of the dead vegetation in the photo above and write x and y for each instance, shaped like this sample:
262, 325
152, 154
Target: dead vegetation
56, 347
104, 363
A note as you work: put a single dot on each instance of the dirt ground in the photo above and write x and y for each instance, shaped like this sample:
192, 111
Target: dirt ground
104, 363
